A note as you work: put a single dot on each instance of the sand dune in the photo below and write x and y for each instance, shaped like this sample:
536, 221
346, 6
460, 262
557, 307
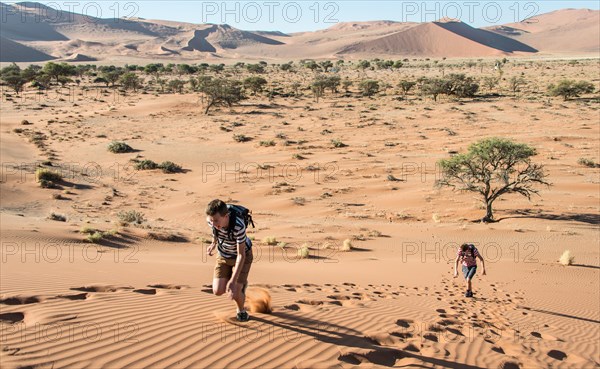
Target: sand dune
11, 51
562, 31
139, 39
79, 58
452, 39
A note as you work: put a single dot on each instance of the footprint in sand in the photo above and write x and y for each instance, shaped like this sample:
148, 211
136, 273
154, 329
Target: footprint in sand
293, 307
102, 288
22, 300
342, 297
169, 286
546, 337
509, 365
311, 302
12, 317
498, 349
76, 296
146, 291
557, 355
402, 335
383, 357
431, 337
404, 323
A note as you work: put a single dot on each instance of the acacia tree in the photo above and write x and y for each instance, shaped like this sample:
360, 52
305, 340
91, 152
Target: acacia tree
13, 77
255, 84
569, 88
130, 81
220, 91
493, 167
406, 86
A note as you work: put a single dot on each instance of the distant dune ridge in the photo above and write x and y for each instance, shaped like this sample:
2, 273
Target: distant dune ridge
33, 32
442, 38
561, 31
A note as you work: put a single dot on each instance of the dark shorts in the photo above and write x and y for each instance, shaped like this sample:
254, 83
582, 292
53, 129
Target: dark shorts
469, 272
224, 267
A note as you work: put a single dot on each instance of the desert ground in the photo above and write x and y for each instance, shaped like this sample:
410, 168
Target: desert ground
349, 178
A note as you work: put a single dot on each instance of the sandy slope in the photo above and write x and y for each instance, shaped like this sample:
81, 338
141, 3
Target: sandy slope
450, 39
136, 302
558, 31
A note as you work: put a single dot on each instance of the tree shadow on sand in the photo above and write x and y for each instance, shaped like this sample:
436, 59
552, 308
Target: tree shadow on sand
588, 218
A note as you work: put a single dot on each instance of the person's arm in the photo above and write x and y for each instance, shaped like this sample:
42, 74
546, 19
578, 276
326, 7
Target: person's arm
211, 248
482, 263
456, 265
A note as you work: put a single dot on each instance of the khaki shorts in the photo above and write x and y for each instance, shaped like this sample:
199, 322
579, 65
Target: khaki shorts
224, 267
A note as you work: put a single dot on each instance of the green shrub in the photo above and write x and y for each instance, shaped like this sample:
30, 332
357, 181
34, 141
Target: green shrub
131, 216
94, 237
271, 241
588, 163
119, 147
241, 138
169, 167
303, 252
145, 165
57, 217
267, 143
338, 143
47, 178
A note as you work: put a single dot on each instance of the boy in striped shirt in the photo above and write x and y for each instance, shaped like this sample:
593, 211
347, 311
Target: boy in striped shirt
234, 254
467, 253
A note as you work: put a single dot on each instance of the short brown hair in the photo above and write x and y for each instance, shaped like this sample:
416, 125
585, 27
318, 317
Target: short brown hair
216, 206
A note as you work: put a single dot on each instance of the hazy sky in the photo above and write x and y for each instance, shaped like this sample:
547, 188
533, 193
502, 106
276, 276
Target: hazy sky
299, 15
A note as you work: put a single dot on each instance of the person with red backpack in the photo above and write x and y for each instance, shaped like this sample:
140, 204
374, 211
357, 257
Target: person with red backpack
234, 259
467, 253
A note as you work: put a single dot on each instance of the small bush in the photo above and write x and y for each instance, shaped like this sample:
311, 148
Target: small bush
267, 143
131, 216
347, 245
303, 252
566, 258
166, 236
588, 163
145, 165
241, 138
94, 237
57, 217
299, 200
374, 233
169, 167
87, 230
47, 175
338, 143
271, 241
119, 147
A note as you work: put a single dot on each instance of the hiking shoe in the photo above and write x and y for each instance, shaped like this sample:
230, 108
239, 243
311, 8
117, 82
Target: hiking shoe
243, 316
469, 294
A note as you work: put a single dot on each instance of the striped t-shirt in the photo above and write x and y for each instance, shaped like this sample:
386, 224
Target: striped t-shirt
226, 246
468, 260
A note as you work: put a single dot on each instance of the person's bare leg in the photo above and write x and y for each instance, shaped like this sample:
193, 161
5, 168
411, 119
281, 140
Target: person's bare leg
240, 297
219, 286
469, 284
